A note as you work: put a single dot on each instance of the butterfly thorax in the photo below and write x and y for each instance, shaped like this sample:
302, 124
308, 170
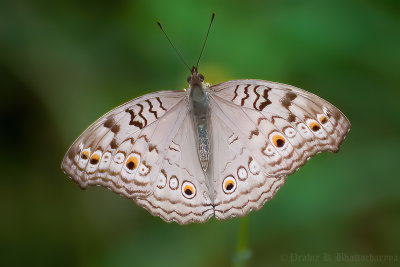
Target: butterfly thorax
199, 109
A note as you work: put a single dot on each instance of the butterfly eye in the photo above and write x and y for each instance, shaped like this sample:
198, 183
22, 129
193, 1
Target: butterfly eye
132, 163
201, 77
188, 190
229, 185
314, 125
278, 140
322, 119
95, 158
85, 154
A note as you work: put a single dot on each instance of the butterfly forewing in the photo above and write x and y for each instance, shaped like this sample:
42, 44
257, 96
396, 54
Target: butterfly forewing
281, 125
122, 148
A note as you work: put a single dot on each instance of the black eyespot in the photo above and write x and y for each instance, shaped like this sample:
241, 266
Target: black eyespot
201, 77
280, 143
315, 128
130, 165
188, 192
94, 161
85, 155
278, 140
229, 186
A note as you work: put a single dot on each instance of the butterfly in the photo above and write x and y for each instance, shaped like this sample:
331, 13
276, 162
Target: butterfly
220, 150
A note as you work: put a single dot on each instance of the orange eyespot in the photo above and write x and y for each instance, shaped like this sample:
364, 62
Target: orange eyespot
188, 190
85, 154
322, 119
229, 185
95, 159
278, 140
314, 126
132, 163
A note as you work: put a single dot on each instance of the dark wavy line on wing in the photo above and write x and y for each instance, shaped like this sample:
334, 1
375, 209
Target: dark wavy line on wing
151, 109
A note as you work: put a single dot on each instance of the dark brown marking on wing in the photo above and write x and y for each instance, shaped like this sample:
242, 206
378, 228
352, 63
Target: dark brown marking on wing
291, 117
109, 122
254, 132
115, 128
132, 121
151, 108
236, 138
246, 92
266, 102
171, 148
260, 120
153, 147
140, 113
258, 97
144, 137
113, 144
159, 101
237, 86
287, 99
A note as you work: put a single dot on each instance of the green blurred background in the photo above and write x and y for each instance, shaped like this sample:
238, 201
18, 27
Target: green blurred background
65, 63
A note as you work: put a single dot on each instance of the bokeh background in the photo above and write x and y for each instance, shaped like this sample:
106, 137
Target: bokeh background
65, 63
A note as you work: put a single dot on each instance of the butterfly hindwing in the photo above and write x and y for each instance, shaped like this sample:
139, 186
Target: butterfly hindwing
239, 185
181, 193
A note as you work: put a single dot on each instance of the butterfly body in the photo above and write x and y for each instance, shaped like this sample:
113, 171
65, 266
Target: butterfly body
220, 150
198, 99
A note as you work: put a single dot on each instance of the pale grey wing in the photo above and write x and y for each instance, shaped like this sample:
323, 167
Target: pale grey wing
238, 183
284, 126
181, 193
121, 150
278, 127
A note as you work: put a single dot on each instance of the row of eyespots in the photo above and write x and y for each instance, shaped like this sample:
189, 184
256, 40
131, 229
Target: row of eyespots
279, 141
131, 163
229, 183
188, 189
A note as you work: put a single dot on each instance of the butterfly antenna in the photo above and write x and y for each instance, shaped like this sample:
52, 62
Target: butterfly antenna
205, 40
176, 50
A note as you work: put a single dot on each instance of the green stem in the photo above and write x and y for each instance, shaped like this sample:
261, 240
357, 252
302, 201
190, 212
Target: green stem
243, 252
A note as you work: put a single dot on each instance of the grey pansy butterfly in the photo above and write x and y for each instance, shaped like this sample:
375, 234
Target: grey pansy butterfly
220, 150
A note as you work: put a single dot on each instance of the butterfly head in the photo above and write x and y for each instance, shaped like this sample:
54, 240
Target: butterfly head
195, 78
